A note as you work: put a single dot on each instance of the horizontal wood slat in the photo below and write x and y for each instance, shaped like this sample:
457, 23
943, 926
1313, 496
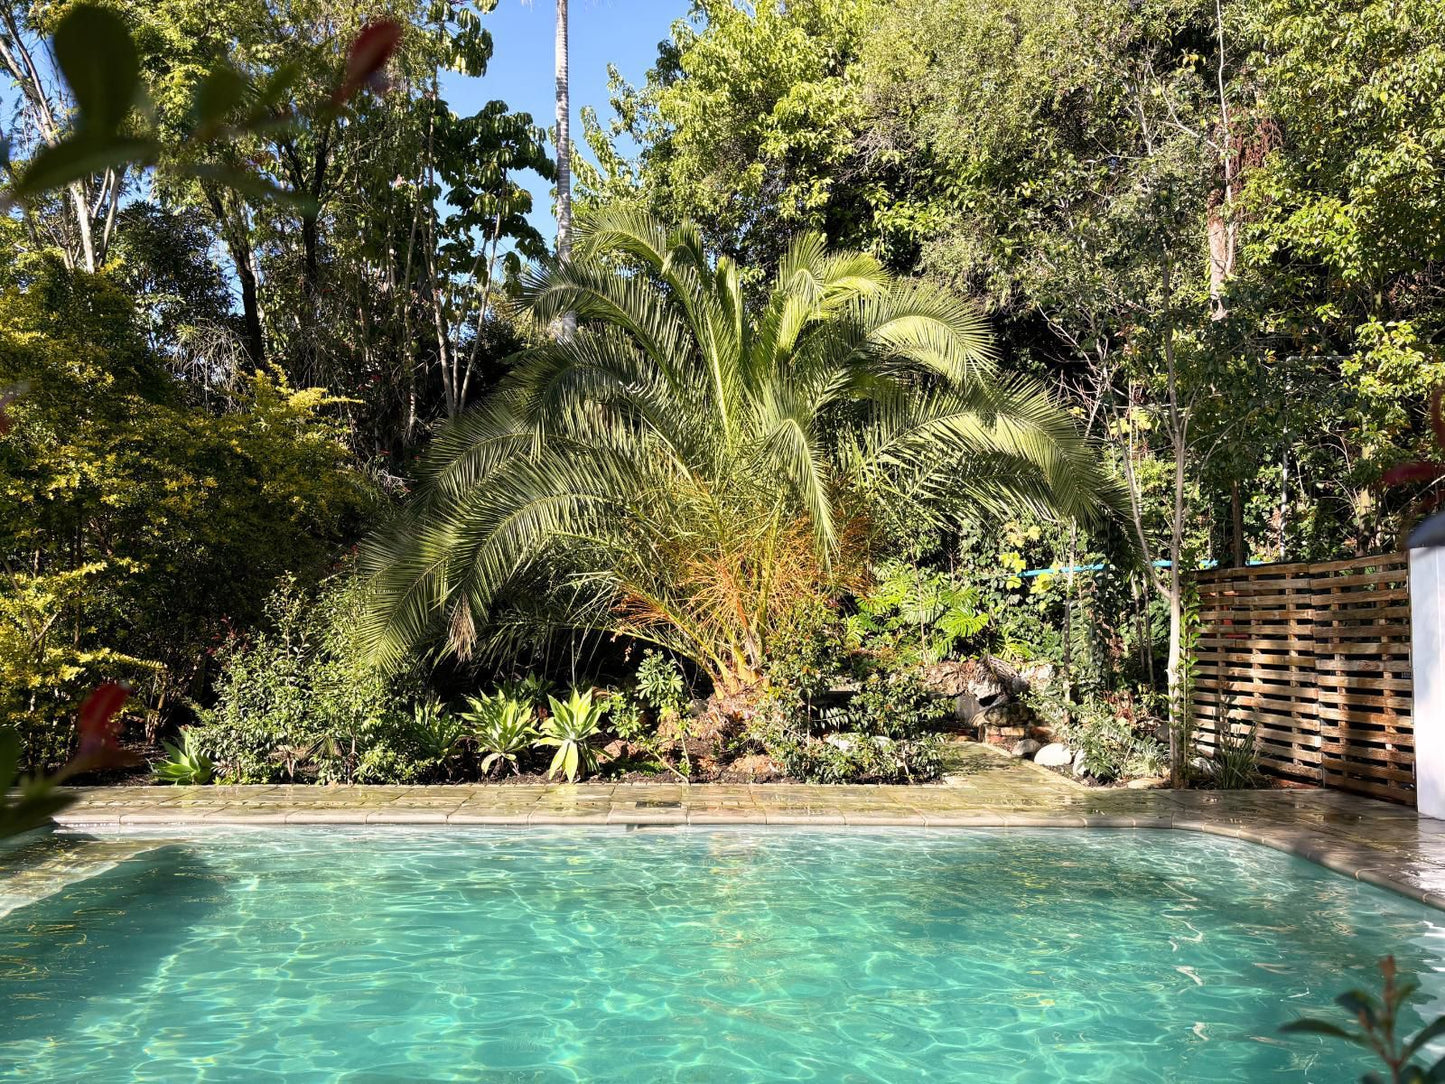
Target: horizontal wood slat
1317, 657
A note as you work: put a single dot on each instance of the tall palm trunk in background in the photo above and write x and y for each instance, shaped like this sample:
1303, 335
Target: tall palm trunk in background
564, 160
564, 142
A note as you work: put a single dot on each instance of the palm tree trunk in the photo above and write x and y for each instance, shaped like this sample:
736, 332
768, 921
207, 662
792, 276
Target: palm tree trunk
564, 142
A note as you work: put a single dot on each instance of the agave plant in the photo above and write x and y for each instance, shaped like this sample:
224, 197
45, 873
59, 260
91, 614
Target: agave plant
692, 466
440, 736
503, 727
573, 729
184, 763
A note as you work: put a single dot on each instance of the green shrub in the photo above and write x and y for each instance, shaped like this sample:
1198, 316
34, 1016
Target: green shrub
299, 700
1236, 756
136, 526
1112, 747
438, 737
915, 614
850, 757
628, 717
894, 704
783, 730
660, 684
534, 689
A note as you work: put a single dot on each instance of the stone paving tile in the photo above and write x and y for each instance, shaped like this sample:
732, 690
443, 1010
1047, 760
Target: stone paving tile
1373, 841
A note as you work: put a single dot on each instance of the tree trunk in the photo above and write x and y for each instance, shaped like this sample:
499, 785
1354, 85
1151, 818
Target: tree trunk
1173, 584
235, 233
564, 159
564, 142
1178, 737
250, 308
1236, 515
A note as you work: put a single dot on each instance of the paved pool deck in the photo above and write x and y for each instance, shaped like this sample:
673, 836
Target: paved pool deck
1373, 841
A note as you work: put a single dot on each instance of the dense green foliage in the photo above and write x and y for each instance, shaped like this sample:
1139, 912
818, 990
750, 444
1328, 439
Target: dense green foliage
297, 699
136, 525
1216, 227
693, 466
985, 299
1052, 156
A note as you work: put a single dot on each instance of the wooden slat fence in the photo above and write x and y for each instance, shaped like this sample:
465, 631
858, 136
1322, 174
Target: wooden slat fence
1318, 655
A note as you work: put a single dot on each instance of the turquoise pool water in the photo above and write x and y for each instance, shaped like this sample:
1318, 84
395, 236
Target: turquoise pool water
394, 955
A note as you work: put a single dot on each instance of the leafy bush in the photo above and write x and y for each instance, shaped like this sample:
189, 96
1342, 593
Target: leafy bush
894, 704
135, 525
1112, 747
660, 685
573, 729
807, 655
851, 757
503, 728
915, 614
185, 763
629, 718
895, 749
299, 699
533, 690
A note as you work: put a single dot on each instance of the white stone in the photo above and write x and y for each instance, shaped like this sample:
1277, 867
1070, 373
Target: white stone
1055, 755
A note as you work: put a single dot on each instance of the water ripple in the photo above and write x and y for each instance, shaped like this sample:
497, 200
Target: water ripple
374, 956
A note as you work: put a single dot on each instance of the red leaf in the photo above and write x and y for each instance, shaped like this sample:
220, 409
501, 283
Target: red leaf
99, 728
1412, 472
369, 53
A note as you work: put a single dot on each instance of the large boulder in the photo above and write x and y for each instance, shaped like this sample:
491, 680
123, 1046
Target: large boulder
1055, 755
976, 685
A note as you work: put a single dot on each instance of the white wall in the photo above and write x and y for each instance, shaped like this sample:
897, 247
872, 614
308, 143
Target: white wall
1427, 633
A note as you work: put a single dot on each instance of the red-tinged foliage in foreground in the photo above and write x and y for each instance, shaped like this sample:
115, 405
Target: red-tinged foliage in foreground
367, 59
100, 729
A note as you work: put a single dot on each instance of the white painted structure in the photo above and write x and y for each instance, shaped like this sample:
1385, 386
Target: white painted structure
1427, 634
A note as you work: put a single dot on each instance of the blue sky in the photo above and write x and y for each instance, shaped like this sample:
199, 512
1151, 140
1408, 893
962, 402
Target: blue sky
621, 32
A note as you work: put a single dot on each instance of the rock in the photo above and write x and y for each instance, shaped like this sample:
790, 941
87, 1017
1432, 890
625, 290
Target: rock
1078, 767
1035, 675
756, 766
966, 707
988, 681
1148, 782
1026, 748
837, 741
1203, 766
1054, 755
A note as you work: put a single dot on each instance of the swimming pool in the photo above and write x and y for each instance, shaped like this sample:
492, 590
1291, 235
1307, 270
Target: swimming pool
371, 955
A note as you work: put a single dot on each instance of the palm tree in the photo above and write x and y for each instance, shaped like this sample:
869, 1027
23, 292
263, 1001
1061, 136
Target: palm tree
693, 471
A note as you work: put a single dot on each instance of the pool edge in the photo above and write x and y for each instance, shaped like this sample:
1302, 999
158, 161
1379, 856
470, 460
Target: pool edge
1357, 862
